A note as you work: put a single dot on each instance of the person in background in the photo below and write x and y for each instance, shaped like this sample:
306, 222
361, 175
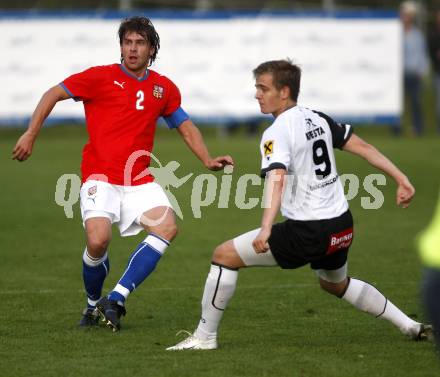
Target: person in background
434, 53
415, 63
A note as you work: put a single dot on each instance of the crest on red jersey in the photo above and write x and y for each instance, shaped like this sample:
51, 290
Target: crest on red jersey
158, 91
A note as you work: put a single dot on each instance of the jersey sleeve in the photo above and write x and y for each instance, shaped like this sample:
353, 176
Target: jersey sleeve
275, 149
174, 120
173, 99
340, 132
82, 86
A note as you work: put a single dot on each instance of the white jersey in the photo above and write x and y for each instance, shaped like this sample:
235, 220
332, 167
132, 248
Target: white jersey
302, 141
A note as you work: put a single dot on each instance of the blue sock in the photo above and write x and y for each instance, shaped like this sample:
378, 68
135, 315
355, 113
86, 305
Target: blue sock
95, 270
141, 264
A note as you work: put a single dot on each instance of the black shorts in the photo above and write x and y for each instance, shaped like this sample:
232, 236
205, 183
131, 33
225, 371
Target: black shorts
322, 243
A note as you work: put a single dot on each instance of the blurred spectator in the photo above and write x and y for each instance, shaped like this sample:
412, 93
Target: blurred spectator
415, 63
434, 52
429, 247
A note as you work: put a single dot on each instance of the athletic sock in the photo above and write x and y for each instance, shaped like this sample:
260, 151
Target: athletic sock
141, 264
368, 299
219, 288
95, 271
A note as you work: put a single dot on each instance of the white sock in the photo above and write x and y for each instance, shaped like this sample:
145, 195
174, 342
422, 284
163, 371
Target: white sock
368, 299
219, 288
93, 262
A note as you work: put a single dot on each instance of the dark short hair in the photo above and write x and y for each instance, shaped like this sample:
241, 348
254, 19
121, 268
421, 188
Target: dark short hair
284, 72
144, 27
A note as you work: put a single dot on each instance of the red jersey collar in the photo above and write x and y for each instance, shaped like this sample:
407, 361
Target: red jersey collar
147, 72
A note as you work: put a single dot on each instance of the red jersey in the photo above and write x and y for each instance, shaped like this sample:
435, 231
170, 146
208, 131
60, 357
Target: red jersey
121, 114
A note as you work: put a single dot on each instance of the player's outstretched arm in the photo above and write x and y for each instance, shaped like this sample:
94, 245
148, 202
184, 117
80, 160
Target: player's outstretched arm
23, 148
194, 139
359, 147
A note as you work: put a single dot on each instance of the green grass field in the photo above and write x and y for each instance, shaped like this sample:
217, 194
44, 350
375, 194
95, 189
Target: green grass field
279, 323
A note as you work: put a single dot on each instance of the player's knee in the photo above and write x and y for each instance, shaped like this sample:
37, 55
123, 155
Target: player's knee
97, 246
223, 255
167, 230
171, 231
336, 289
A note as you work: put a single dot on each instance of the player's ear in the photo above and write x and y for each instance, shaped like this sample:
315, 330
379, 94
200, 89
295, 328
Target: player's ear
285, 92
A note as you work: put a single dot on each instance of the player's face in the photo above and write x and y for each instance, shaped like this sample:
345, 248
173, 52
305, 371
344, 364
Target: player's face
136, 52
271, 100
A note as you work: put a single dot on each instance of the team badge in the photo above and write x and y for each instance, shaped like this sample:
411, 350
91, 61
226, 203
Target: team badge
268, 147
309, 123
92, 190
158, 91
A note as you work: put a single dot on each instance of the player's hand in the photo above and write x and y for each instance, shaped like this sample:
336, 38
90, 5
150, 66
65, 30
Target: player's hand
23, 148
219, 163
405, 193
260, 243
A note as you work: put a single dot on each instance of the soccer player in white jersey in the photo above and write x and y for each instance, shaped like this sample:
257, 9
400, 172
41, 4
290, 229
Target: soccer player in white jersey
319, 227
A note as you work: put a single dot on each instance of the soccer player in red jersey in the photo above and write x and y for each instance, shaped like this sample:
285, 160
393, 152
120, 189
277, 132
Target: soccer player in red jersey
122, 104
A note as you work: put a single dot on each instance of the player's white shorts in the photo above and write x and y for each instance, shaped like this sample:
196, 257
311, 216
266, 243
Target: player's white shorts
244, 248
122, 205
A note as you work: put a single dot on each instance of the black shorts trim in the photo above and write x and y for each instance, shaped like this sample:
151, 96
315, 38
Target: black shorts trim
322, 243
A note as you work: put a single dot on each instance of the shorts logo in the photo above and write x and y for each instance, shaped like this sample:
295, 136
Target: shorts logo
340, 240
92, 190
158, 91
268, 147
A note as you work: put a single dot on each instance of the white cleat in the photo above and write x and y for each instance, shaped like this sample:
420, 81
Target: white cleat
194, 343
